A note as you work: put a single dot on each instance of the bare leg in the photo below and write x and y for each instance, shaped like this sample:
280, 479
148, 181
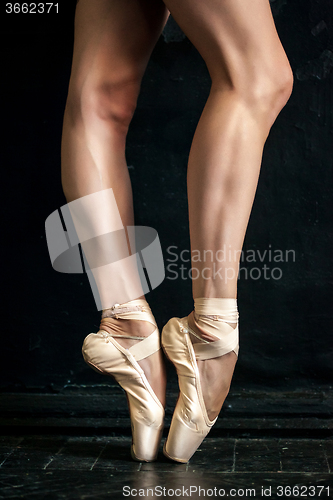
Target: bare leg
251, 82
113, 43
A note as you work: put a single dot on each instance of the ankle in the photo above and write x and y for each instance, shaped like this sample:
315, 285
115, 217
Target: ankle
130, 318
213, 318
201, 334
132, 305
127, 327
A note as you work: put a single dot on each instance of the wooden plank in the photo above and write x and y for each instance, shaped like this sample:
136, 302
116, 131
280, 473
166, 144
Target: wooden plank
301, 455
34, 452
78, 453
114, 405
123, 425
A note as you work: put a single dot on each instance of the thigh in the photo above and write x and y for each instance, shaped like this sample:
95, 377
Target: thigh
234, 37
114, 38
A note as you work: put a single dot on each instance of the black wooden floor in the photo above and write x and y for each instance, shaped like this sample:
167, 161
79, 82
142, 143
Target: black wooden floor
100, 467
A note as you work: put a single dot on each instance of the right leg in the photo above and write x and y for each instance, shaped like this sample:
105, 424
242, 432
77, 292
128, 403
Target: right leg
113, 42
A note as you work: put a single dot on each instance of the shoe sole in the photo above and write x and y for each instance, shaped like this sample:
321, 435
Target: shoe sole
180, 460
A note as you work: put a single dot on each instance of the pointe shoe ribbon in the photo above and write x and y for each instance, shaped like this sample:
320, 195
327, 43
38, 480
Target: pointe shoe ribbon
148, 345
228, 339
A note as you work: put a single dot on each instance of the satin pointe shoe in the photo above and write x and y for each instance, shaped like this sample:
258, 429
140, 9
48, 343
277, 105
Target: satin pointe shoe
105, 355
190, 423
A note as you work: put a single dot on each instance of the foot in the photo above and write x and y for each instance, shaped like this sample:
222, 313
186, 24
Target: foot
215, 374
153, 365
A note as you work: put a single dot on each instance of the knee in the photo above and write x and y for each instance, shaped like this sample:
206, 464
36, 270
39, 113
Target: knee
111, 101
263, 91
272, 91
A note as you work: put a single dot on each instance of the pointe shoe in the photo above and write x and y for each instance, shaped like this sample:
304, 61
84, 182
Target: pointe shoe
105, 355
190, 423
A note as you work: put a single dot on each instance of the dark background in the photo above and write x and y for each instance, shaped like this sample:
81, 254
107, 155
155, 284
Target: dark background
285, 325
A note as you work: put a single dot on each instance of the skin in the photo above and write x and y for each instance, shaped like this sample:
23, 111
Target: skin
251, 82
